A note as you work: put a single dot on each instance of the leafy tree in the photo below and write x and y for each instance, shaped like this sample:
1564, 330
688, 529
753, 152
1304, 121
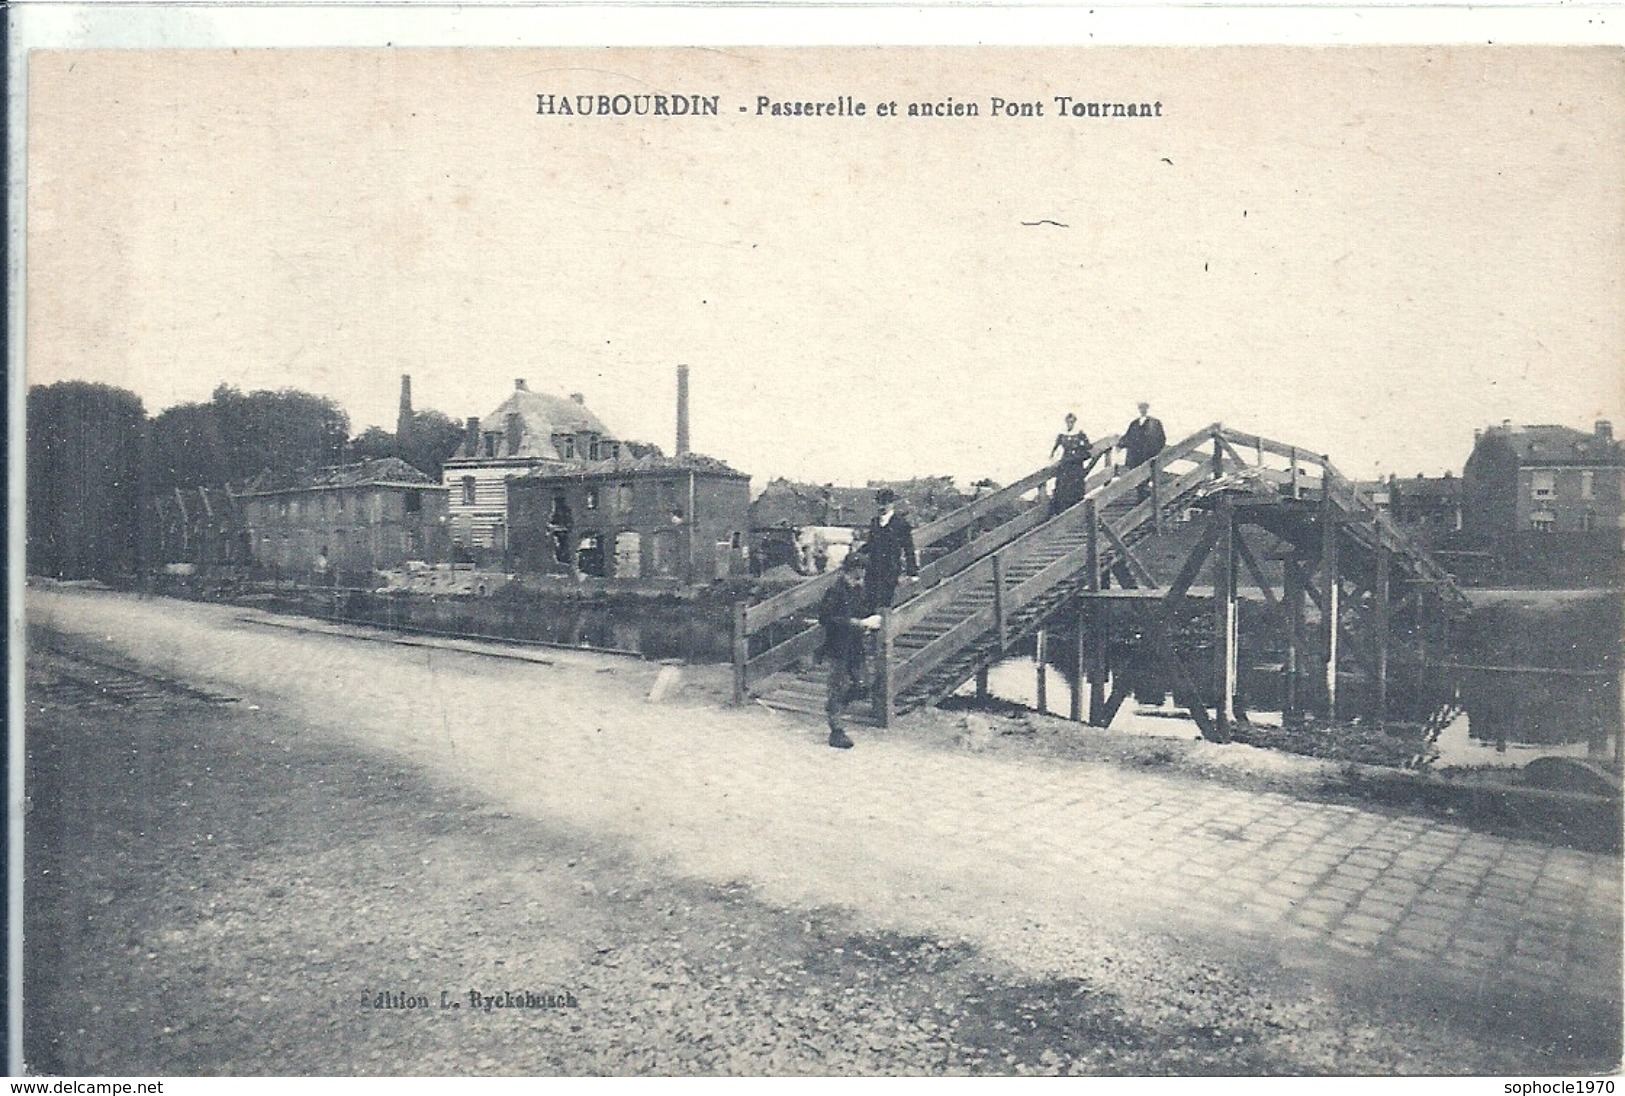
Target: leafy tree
433, 438
235, 436
373, 443
84, 467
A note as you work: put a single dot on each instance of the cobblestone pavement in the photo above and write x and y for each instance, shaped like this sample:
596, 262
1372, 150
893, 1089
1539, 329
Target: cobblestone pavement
1042, 861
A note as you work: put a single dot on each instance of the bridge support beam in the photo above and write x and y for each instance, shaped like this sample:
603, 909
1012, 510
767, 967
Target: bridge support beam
1292, 604
1041, 653
1382, 613
1331, 608
1225, 621
885, 698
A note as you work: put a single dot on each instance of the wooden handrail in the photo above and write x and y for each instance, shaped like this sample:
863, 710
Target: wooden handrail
805, 595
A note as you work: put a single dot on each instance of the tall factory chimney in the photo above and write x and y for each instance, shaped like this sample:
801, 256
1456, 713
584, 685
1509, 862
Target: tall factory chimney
403, 421
682, 410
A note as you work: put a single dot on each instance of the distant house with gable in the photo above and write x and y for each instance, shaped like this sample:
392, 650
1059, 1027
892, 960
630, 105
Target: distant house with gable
527, 432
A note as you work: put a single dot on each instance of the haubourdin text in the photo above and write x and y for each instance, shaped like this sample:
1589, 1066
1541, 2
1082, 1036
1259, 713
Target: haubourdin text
841, 106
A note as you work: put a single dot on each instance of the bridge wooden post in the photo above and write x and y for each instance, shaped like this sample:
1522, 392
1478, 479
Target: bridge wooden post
1292, 602
1224, 620
1296, 490
1080, 621
1331, 606
1156, 498
1382, 611
1041, 652
1097, 619
885, 703
998, 602
741, 651
981, 684
1218, 454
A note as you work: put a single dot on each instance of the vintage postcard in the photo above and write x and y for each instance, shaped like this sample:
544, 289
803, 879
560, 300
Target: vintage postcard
867, 560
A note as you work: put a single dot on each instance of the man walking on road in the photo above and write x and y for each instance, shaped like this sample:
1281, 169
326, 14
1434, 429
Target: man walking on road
1142, 441
845, 618
891, 551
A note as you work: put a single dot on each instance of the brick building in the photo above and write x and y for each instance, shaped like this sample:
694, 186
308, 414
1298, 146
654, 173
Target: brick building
679, 518
528, 432
1544, 479
352, 518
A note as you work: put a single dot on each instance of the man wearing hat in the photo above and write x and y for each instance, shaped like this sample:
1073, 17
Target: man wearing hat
1142, 441
842, 615
890, 548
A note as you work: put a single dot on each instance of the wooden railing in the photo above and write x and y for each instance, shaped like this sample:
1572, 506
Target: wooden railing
1007, 601
788, 609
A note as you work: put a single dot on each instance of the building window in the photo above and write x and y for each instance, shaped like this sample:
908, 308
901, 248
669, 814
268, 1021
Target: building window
592, 446
590, 500
1588, 485
733, 541
614, 450
623, 498
414, 502
468, 490
1588, 520
1542, 485
1541, 522
565, 446
490, 445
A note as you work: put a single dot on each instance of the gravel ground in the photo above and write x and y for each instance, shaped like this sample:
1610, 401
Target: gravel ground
217, 890
244, 916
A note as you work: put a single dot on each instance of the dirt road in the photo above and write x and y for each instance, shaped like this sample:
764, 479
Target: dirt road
717, 892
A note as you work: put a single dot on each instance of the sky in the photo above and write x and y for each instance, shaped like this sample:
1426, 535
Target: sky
1366, 252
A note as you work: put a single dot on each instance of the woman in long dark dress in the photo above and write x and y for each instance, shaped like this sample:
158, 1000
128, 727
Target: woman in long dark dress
1073, 445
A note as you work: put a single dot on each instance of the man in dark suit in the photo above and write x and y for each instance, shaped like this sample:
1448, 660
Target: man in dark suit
844, 615
890, 549
1142, 441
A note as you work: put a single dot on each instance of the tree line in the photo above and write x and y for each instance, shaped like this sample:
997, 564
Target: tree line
94, 456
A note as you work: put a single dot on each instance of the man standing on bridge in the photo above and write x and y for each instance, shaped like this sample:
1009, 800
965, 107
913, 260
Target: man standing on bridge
890, 548
1142, 441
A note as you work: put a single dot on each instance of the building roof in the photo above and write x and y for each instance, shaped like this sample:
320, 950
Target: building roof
1446, 488
625, 466
1550, 444
541, 416
384, 472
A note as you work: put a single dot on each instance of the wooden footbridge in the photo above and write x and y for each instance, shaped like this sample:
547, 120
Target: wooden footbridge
1005, 567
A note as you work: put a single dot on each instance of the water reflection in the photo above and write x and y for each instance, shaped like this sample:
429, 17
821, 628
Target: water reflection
1508, 689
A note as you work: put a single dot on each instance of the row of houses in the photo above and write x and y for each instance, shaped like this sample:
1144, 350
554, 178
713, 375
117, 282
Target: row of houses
542, 485
1536, 479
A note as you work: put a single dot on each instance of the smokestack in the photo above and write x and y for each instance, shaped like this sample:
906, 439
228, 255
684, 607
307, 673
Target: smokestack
519, 385
579, 398
471, 436
1605, 430
682, 410
403, 421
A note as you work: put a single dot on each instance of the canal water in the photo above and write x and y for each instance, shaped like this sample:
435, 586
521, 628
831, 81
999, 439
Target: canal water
1529, 676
